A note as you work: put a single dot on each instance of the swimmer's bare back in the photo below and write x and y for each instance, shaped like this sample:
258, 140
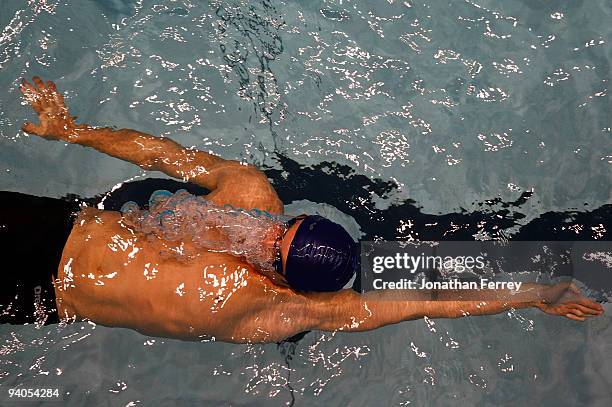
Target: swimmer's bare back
113, 277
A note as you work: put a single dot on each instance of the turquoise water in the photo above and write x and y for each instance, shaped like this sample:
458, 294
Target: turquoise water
454, 103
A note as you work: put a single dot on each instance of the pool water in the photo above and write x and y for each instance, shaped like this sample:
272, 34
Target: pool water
398, 107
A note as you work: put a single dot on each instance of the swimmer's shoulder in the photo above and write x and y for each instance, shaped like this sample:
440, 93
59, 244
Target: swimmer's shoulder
90, 229
89, 215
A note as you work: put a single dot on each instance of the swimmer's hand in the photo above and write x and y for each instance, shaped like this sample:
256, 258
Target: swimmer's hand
53, 115
570, 302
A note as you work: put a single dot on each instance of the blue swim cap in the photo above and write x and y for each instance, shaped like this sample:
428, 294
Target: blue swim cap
322, 256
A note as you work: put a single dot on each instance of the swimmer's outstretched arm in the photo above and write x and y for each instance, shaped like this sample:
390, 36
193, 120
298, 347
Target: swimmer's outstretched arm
146, 151
348, 311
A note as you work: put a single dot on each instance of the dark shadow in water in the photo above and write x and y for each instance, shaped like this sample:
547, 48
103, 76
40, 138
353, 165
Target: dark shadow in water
351, 193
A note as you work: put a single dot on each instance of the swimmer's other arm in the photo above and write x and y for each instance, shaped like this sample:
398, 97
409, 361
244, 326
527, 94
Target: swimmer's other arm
146, 151
348, 311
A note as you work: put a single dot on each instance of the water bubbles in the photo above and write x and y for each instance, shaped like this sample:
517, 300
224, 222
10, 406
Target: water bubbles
557, 15
182, 217
158, 197
119, 387
505, 364
130, 207
416, 351
478, 381
180, 290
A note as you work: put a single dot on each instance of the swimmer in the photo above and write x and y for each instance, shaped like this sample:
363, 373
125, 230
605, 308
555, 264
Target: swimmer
173, 270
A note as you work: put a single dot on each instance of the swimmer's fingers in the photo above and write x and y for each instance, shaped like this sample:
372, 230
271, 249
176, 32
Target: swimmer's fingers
27, 87
32, 128
579, 312
39, 84
587, 311
589, 307
32, 95
56, 95
44, 95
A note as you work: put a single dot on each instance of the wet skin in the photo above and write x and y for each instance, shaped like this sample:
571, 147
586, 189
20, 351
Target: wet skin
112, 276
121, 279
